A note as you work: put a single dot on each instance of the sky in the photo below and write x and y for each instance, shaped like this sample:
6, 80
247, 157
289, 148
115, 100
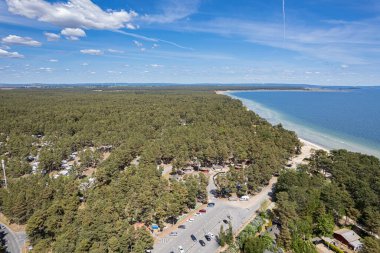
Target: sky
323, 42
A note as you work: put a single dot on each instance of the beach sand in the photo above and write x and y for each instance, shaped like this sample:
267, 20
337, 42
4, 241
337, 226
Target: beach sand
306, 151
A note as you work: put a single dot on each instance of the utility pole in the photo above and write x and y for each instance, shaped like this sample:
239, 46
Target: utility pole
5, 176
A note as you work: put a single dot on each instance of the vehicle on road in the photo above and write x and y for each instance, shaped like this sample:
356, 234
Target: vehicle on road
193, 238
182, 226
202, 211
244, 198
233, 199
173, 234
202, 243
208, 238
211, 204
181, 250
225, 221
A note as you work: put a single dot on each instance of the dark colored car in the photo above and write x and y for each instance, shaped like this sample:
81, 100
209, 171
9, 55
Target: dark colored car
208, 238
211, 204
182, 226
225, 221
202, 243
202, 211
193, 238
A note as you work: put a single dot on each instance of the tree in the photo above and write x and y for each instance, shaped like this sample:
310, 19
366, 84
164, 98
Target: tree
222, 237
325, 225
371, 245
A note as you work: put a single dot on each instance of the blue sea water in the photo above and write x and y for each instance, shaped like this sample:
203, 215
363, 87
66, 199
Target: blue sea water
334, 119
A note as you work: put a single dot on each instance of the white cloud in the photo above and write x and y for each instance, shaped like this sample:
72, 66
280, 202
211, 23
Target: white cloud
73, 33
114, 72
52, 36
84, 64
53, 60
7, 54
156, 65
173, 10
344, 66
46, 69
343, 42
115, 51
137, 43
17, 40
91, 51
73, 13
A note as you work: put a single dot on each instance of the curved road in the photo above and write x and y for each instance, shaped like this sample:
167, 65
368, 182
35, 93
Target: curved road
13, 241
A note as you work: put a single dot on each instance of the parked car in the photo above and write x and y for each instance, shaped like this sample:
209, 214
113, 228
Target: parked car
190, 220
182, 226
211, 204
244, 198
181, 250
173, 234
208, 238
202, 243
202, 211
233, 199
210, 234
193, 238
225, 221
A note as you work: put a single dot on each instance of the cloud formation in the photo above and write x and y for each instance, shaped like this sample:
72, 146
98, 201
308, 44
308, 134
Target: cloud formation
73, 33
7, 54
173, 10
91, 51
17, 40
73, 13
52, 36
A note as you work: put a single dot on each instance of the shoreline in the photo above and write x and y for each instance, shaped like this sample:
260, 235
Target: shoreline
307, 135
307, 146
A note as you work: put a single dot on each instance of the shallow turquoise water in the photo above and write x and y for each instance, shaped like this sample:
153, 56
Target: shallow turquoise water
347, 119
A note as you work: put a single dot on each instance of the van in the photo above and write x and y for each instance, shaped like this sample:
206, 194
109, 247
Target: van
244, 198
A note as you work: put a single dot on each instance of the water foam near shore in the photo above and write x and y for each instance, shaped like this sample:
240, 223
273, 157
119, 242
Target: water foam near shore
317, 136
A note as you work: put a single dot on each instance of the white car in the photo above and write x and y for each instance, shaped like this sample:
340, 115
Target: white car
211, 234
181, 250
190, 220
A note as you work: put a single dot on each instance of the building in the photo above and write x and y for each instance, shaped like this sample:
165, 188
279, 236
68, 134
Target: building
349, 238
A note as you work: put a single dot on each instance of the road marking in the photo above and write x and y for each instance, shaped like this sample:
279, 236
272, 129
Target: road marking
164, 240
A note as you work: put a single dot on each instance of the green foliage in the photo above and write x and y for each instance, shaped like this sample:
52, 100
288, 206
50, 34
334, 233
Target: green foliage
371, 245
257, 244
222, 236
308, 204
171, 127
325, 225
333, 247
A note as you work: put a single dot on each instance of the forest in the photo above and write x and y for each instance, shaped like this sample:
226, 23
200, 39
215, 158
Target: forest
73, 214
310, 205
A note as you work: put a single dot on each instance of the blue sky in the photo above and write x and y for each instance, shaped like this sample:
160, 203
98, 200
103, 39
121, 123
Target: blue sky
326, 42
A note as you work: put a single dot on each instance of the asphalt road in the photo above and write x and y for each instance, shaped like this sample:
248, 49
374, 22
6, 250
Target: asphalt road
13, 241
239, 213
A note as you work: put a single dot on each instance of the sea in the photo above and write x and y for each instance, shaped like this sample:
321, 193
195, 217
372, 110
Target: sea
334, 118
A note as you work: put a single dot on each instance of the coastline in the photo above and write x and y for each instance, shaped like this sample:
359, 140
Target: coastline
308, 135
